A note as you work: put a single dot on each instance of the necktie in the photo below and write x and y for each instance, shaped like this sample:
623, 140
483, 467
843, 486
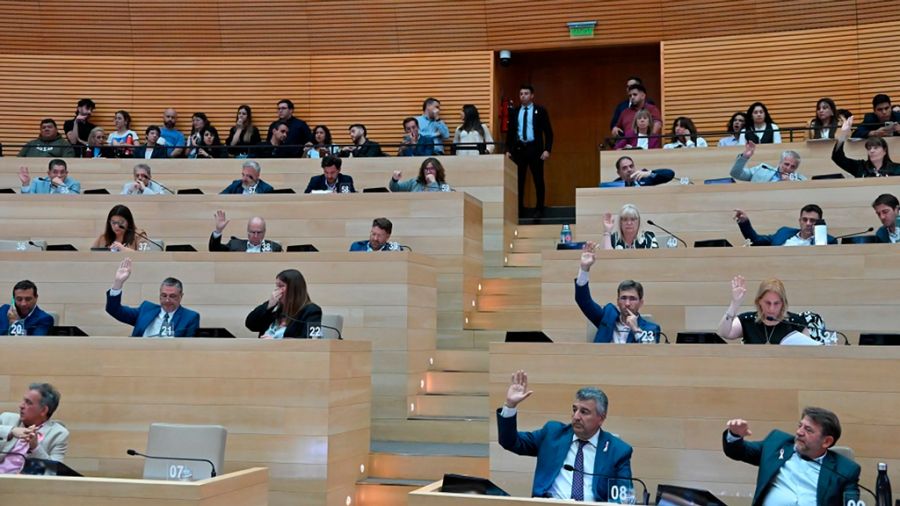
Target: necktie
164, 330
525, 124
578, 474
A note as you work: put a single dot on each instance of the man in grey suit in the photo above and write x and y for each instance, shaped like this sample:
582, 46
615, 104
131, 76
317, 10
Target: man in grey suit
31, 429
254, 243
765, 173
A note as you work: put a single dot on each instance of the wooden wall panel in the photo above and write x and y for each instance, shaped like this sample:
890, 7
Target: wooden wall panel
878, 59
711, 78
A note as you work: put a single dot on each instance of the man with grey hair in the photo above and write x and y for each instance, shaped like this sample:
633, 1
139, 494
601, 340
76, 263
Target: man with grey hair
765, 173
30, 431
249, 182
166, 319
568, 454
254, 243
143, 183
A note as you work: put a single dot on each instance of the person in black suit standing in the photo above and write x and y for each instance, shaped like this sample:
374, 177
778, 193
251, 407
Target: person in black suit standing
529, 140
254, 243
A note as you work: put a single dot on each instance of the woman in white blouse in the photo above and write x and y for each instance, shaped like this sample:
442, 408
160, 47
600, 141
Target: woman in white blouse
472, 134
684, 135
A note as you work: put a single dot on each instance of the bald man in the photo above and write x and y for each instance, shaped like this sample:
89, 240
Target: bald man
254, 243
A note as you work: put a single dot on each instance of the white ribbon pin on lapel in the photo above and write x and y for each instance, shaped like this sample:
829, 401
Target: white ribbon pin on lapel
781, 454
606, 447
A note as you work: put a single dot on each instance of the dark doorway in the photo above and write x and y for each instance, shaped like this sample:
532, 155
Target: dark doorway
580, 89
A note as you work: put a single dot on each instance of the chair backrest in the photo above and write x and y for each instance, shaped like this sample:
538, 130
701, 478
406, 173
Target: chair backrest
843, 451
171, 441
55, 317
332, 320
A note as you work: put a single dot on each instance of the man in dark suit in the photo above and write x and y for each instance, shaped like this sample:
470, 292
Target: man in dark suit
784, 236
249, 182
582, 444
298, 132
881, 122
254, 243
166, 319
529, 140
379, 238
24, 317
798, 469
363, 147
887, 207
331, 179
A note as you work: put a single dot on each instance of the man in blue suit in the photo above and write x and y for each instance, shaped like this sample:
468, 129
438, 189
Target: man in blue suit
785, 236
249, 182
616, 323
166, 319
798, 469
887, 207
582, 446
57, 180
24, 317
379, 238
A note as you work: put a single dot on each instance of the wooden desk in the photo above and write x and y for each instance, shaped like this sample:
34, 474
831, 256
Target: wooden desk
388, 300
853, 287
249, 487
491, 179
299, 407
671, 404
430, 495
707, 212
445, 226
714, 162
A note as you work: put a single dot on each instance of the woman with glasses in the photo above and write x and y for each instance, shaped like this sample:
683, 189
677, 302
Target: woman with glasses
121, 234
629, 235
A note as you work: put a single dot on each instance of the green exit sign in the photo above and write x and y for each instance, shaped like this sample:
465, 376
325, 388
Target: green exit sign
581, 29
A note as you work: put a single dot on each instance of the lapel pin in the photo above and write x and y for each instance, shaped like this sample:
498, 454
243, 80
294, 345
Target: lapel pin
781, 454
606, 447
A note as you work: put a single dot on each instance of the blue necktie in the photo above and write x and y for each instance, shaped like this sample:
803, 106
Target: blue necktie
578, 474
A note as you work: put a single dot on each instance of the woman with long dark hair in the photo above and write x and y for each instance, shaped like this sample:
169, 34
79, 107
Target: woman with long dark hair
431, 178
736, 126
289, 310
474, 135
760, 127
244, 134
210, 146
120, 234
322, 144
684, 135
877, 162
199, 121
824, 125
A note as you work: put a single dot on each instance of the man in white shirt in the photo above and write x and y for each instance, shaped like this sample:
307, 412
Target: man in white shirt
568, 454
166, 319
143, 183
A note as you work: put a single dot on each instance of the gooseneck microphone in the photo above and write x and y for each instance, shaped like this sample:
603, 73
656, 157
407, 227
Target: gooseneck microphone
142, 235
568, 467
164, 187
650, 222
854, 234
802, 326
212, 473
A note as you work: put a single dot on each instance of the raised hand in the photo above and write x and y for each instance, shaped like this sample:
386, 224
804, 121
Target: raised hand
739, 427
749, 149
221, 222
518, 389
846, 127
738, 290
122, 274
740, 216
24, 177
587, 255
609, 222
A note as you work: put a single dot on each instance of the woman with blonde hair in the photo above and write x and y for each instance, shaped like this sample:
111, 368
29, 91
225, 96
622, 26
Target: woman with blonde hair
630, 235
769, 324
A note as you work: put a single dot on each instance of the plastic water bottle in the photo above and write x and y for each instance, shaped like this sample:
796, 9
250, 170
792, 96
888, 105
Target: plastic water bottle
820, 233
565, 235
883, 487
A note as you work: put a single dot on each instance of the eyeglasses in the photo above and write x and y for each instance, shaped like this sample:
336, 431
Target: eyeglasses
628, 298
119, 223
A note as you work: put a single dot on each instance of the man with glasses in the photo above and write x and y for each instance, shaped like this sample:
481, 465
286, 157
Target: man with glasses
254, 243
249, 183
57, 180
166, 319
616, 323
143, 183
298, 131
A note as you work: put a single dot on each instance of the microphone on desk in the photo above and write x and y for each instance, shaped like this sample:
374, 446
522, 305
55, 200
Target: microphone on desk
142, 235
164, 187
49, 180
664, 336
568, 467
36, 245
802, 326
212, 473
866, 231
650, 222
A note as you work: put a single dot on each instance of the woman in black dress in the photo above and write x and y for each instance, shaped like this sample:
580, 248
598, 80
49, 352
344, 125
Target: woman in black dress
769, 324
